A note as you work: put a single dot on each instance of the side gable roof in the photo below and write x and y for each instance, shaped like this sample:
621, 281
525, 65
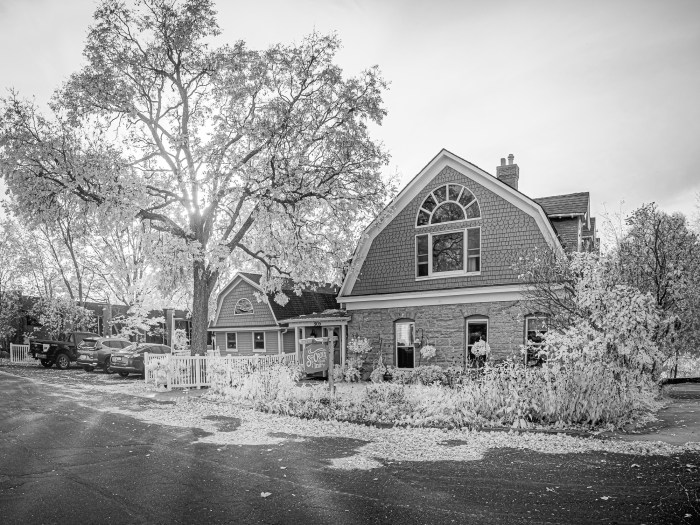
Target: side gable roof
309, 302
571, 204
437, 164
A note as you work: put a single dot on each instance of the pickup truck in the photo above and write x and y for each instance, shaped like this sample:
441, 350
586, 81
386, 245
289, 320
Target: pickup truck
62, 353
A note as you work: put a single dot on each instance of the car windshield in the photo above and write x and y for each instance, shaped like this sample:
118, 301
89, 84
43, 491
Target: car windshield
88, 343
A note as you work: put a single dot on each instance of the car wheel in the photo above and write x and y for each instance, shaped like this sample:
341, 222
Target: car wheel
123, 374
46, 363
88, 368
108, 363
62, 361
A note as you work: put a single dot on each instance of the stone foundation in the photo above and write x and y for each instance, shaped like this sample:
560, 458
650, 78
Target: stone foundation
443, 326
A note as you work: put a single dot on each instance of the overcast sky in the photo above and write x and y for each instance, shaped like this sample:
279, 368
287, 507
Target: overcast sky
599, 96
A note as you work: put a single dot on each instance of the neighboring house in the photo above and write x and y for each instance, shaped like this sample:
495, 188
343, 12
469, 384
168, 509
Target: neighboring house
27, 326
436, 266
244, 324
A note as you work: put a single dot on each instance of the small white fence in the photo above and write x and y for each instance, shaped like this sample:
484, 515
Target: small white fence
196, 371
20, 354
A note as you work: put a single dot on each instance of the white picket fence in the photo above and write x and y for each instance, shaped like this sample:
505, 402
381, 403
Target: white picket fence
20, 354
196, 371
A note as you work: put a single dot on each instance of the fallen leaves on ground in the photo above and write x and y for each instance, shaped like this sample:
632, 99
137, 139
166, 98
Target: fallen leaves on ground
380, 444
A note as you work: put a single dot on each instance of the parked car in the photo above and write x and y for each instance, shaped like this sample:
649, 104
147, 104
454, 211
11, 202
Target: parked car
96, 352
50, 351
130, 360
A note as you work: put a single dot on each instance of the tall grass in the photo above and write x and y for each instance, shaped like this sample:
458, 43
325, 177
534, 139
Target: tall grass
579, 394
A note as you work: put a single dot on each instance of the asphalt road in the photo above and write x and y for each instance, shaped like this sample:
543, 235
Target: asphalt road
62, 462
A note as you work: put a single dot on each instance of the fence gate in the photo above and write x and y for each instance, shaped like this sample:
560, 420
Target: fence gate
20, 354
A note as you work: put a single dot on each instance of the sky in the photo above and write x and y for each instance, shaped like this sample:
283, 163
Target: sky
598, 96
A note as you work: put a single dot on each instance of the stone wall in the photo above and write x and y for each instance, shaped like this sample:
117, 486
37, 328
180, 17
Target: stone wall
444, 326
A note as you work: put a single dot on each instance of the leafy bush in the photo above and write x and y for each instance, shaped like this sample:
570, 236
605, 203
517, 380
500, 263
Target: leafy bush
688, 366
580, 393
423, 375
252, 384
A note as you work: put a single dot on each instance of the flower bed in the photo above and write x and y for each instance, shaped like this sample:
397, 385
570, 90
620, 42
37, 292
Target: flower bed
576, 395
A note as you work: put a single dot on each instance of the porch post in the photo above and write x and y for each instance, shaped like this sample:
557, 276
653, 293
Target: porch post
296, 343
342, 344
280, 350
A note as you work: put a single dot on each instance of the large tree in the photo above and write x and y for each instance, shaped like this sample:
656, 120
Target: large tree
660, 254
232, 153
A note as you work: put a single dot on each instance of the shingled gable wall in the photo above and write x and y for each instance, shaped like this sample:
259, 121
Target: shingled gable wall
506, 233
261, 316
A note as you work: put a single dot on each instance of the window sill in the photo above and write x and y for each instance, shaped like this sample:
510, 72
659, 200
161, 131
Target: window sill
458, 223
447, 276
259, 350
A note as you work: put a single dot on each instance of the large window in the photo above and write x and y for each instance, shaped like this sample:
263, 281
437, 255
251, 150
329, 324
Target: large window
231, 341
535, 330
443, 254
448, 203
258, 341
243, 306
405, 350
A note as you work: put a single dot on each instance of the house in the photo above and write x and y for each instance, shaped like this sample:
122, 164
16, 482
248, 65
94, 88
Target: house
436, 266
246, 325
27, 325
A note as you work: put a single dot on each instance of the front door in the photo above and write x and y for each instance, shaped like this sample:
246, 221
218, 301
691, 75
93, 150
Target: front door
476, 329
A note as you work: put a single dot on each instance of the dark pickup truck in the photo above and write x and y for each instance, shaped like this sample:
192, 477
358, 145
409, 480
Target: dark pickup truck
59, 352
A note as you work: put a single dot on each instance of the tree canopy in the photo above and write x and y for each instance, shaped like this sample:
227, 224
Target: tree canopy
230, 155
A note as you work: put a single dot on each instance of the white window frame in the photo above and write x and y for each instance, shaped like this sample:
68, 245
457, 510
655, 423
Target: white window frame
464, 210
455, 273
260, 350
474, 320
396, 344
235, 334
252, 310
527, 342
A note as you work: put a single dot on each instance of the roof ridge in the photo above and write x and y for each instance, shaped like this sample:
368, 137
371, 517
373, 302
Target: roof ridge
562, 195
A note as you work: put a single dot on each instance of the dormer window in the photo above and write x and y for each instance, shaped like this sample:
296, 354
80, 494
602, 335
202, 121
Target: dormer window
448, 203
243, 306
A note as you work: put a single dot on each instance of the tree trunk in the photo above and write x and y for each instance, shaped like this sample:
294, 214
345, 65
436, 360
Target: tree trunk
203, 281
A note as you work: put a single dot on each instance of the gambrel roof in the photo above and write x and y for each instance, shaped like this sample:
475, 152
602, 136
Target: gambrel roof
413, 188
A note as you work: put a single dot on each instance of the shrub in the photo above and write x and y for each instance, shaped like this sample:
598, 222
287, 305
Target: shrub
575, 394
688, 366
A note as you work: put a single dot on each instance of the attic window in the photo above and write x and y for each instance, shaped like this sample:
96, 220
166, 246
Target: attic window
448, 203
243, 306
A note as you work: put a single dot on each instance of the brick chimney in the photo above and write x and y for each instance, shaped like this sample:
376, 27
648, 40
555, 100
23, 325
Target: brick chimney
508, 173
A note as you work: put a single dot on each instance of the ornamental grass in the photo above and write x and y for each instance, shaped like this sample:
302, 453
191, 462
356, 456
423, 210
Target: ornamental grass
580, 394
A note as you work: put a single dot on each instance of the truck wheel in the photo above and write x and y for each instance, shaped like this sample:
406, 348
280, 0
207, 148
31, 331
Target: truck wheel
62, 361
46, 363
123, 374
108, 363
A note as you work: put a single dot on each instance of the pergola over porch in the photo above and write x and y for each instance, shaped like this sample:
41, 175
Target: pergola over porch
326, 323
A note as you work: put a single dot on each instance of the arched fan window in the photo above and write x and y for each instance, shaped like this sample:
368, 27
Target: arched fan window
243, 306
448, 203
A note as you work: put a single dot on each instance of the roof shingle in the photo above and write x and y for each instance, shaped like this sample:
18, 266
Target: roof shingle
311, 301
571, 204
